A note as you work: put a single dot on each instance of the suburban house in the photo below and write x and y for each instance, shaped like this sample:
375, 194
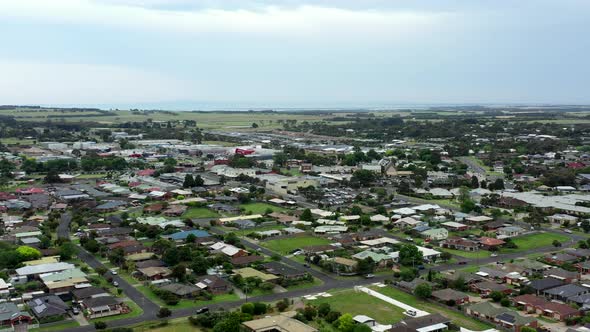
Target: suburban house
460, 244
282, 322
504, 317
102, 306
488, 243
283, 271
430, 323
509, 231
182, 290
435, 234
213, 284
540, 285
538, 305
485, 288
562, 293
449, 295
48, 307
154, 273
11, 316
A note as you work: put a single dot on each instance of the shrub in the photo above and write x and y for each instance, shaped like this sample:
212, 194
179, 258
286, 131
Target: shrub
324, 309
247, 308
100, 325
259, 308
164, 312
332, 316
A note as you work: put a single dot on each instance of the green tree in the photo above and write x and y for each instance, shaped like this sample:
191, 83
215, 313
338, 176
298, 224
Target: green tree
248, 308
410, 255
164, 312
345, 323
27, 253
324, 309
179, 272
67, 250
366, 266
306, 215
231, 323
363, 177
423, 291
189, 182
362, 328
52, 177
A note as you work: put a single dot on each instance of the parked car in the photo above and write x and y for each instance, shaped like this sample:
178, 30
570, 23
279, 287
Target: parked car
369, 276
113, 271
115, 283
420, 267
306, 265
411, 312
462, 262
494, 255
75, 311
202, 310
568, 231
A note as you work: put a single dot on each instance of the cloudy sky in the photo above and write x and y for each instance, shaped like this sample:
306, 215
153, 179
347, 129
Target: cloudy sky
247, 53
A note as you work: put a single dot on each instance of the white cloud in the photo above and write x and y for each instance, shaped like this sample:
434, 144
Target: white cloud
302, 20
51, 83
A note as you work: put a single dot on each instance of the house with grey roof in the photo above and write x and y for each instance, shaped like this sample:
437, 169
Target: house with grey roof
563, 293
11, 315
48, 307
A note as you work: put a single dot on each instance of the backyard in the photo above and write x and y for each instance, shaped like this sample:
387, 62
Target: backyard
260, 208
468, 254
357, 303
457, 317
186, 303
197, 212
533, 241
287, 245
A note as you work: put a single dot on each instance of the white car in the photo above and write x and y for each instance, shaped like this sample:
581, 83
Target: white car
494, 255
114, 272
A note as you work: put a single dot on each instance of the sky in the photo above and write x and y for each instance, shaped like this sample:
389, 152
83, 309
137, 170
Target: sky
198, 54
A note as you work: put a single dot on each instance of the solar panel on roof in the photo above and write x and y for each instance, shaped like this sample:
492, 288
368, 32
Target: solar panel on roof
40, 308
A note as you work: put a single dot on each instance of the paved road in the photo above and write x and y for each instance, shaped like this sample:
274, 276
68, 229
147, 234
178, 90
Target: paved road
63, 229
149, 316
472, 165
149, 307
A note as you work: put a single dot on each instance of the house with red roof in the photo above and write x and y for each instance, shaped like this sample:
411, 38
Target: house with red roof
146, 172
489, 242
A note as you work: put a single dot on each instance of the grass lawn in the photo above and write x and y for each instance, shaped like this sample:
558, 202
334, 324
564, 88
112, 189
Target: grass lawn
457, 317
303, 285
470, 269
63, 326
260, 208
349, 301
243, 232
532, 241
135, 311
287, 245
292, 171
186, 303
468, 254
92, 176
127, 277
174, 325
196, 212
